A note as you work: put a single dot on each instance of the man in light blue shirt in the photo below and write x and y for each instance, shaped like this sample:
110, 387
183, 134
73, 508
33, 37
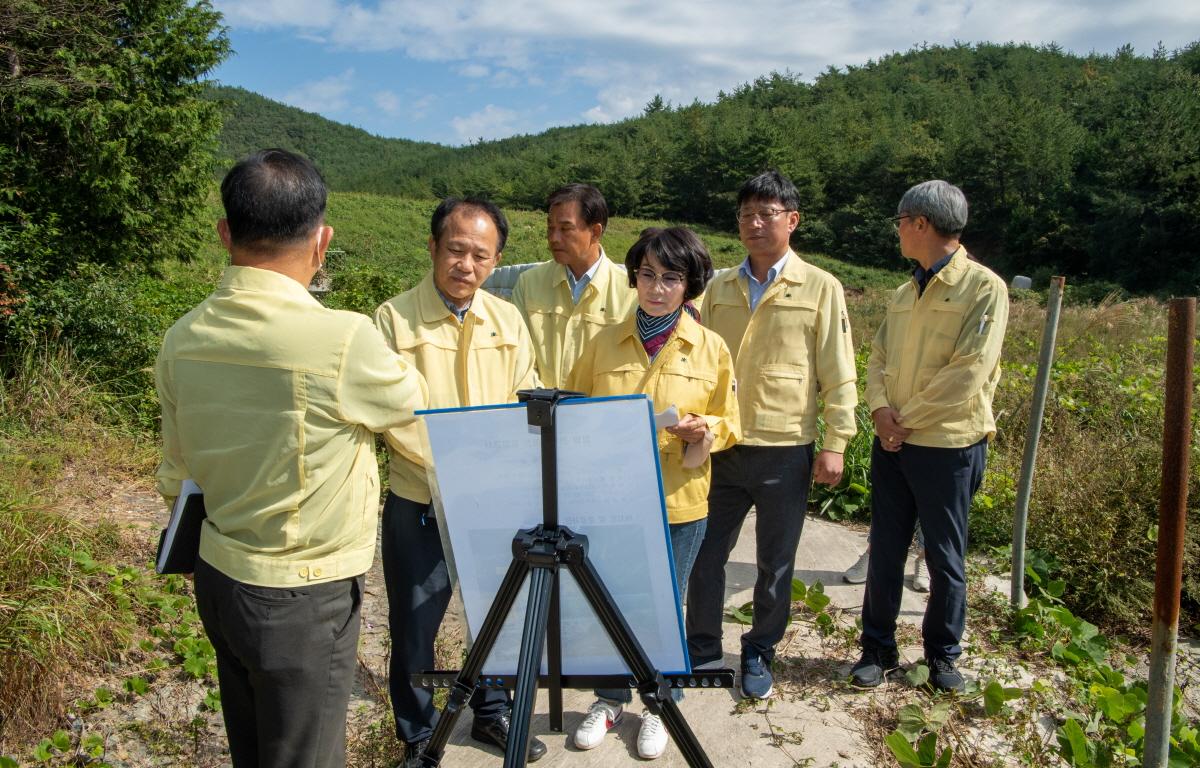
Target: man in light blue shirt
757, 289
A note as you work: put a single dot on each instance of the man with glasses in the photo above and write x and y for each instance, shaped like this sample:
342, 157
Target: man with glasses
567, 301
933, 369
472, 349
785, 324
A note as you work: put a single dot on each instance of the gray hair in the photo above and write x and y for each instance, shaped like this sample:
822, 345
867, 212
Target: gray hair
942, 203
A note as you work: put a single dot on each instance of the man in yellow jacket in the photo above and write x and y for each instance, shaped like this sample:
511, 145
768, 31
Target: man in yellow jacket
785, 324
473, 349
933, 370
270, 402
567, 301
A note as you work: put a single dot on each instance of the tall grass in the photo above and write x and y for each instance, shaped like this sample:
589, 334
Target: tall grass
1094, 506
58, 619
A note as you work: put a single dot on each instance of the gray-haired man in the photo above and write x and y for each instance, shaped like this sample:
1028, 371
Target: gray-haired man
933, 369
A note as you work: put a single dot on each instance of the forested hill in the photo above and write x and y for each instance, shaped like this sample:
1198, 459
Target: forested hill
350, 158
1083, 165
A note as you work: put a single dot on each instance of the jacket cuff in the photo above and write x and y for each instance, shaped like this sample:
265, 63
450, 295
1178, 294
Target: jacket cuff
834, 443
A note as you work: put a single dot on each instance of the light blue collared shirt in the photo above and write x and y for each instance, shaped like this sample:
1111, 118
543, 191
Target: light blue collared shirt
577, 286
757, 289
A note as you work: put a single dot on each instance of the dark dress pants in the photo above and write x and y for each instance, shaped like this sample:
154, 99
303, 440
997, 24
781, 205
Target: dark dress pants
418, 591
775, 481
285, 665
933, 486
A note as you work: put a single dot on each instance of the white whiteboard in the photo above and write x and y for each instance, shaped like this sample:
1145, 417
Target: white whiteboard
487, 484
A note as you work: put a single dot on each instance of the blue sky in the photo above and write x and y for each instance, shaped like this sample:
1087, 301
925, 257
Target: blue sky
455, 71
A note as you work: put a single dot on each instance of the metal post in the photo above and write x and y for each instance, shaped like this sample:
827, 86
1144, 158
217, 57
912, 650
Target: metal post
1034, 432
1172, 517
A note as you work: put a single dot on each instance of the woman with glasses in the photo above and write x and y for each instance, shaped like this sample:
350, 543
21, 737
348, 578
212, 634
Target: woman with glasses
661, 350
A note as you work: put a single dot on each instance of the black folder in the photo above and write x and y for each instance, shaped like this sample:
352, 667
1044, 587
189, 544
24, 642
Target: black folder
179, 543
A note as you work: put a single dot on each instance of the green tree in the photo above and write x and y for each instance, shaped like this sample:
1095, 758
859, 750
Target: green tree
105, 143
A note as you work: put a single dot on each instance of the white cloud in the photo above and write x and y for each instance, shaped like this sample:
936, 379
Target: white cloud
473, 70
419, 109
491, 122
625, 51
387, 101
327, 95
263, 14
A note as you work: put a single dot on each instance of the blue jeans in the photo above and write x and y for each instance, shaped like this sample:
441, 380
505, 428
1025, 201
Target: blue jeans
685, 544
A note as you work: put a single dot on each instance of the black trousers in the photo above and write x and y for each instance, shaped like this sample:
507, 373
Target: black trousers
775, 481
285, 665
933, 486
418, 590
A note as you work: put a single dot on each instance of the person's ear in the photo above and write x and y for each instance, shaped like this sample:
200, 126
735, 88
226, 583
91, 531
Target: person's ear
223, 233
324, 236
597, 230
432, 249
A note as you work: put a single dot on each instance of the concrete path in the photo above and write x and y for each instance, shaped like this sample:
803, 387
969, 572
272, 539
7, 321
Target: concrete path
803, 721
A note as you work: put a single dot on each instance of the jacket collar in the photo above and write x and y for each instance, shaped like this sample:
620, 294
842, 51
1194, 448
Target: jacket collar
795, 269
266, 281
433, 310
602, 266
954, 269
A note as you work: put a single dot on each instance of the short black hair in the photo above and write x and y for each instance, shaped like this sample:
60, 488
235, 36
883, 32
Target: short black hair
677, 249
592, 205
272, 197
770, 185
448, 206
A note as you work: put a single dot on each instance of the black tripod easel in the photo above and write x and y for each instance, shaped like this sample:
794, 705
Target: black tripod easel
538, 553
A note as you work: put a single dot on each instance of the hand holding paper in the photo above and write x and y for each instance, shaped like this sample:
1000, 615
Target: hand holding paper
669, 417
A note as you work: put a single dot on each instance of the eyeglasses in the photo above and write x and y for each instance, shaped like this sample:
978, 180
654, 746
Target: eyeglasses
669, 280
748, 217
897, 219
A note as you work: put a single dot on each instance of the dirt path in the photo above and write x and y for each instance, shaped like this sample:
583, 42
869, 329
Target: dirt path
814, 719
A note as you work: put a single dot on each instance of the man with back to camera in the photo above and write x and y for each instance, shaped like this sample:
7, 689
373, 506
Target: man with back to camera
473, 349
933, 369
270, 402
568, 301
785, 324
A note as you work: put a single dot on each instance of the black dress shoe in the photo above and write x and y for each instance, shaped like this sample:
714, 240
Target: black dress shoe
412, 754
494, 731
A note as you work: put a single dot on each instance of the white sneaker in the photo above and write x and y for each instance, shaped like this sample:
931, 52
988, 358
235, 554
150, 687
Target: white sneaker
652, 737
920, 581
857, 573
601, 717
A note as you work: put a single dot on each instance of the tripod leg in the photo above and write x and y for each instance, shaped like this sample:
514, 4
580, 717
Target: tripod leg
541, 582
681, 732
465, 684
554, 658
650, 682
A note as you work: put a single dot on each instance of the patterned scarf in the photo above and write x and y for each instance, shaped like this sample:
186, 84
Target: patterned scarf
655, 331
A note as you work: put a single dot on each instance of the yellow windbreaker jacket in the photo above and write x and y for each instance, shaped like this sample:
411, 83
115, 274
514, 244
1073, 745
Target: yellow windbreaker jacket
269, 402
794, 348
561, 329
936, 358
483, 360
694, 372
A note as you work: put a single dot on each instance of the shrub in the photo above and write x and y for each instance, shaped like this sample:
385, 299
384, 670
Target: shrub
113, 320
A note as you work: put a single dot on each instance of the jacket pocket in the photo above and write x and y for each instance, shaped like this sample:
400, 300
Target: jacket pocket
780, 394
